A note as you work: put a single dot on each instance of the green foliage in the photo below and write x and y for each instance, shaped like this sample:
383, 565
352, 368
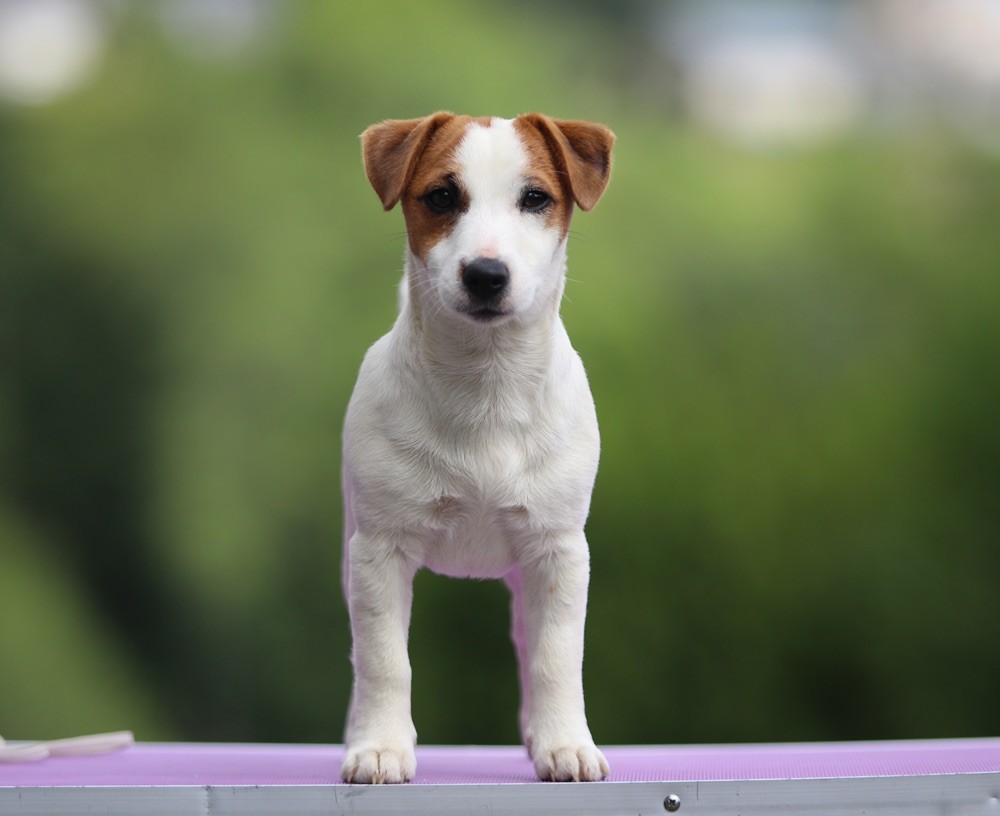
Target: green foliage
794, 532
64, 673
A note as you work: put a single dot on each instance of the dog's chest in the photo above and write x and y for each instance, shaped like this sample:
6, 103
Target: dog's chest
472, 471
486, 500
480, 478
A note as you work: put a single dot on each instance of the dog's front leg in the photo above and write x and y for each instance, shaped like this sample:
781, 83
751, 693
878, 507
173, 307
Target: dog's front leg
381, 736
554, 604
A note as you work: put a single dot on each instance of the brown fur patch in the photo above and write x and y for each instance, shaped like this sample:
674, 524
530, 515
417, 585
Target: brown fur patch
581, 152
546, 175
437, 167
391, 150
407, 158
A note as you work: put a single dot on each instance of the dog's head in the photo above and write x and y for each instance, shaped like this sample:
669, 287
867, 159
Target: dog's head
487, 204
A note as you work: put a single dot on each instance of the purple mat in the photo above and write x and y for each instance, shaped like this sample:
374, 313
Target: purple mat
251, 765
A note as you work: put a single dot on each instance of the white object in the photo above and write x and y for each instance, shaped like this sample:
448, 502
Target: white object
71, 746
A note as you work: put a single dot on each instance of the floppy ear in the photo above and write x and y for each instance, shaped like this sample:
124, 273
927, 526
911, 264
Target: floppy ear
391, 150
581, 151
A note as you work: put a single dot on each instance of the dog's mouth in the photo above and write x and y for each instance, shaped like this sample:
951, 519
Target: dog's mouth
484, 314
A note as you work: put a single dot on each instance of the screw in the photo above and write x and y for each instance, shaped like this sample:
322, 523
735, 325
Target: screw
672, 803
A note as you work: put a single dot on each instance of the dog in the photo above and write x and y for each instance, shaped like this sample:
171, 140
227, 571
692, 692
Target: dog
470, 441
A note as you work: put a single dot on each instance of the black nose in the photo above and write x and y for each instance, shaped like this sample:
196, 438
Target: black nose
485, 278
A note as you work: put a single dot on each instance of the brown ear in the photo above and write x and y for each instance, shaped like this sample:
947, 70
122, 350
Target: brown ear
582, 151
391, 150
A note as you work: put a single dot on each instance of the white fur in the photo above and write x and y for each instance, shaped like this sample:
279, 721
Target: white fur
471, 449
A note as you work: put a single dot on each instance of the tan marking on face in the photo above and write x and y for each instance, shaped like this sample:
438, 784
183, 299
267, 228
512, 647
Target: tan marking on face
437, 167
390, 150
545, 175
581, 152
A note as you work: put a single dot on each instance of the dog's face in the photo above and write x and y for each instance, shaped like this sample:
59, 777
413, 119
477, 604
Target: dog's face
487, 204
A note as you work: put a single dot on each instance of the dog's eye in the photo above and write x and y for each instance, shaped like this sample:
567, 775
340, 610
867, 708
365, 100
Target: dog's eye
441, 200
534, 201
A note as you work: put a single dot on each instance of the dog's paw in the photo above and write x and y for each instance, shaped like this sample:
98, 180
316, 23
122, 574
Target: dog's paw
570, 763
378, 764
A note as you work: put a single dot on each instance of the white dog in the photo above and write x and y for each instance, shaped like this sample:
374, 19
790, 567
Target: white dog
471, 442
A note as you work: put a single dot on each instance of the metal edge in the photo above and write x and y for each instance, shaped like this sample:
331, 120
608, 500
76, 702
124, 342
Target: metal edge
958, 794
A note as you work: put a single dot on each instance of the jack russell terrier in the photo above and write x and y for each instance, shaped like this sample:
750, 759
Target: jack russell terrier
471, 442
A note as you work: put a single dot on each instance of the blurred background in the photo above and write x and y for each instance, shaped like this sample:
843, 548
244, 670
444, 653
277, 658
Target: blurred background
788, 303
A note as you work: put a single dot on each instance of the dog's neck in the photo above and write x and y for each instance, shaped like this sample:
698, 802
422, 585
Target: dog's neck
482, 375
